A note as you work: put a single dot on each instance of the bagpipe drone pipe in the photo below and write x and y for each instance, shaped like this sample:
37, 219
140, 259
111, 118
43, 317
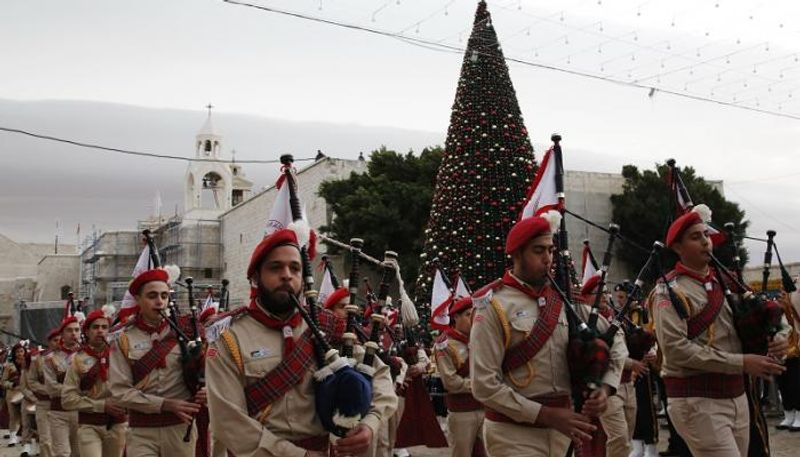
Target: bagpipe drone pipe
342, 395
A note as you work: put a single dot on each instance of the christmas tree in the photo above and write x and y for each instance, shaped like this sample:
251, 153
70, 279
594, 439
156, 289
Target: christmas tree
485, 172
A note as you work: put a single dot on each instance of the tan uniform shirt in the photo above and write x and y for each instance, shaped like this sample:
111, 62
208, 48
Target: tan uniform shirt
546, 373
35, 377
148, 396
55, 363
293, 416
684, 357
449, 359
73, 398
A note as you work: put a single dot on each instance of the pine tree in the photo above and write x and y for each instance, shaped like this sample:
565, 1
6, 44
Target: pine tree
485, 172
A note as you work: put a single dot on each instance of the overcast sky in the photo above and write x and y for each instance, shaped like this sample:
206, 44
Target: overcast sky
185, 53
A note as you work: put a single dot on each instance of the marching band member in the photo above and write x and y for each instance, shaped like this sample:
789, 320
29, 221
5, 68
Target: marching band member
465, 414
528, 409
703, 363
63, 423
102, 423
147, 374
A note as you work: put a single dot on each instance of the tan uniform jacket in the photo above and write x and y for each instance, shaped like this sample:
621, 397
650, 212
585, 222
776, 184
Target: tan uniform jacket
449, 359
546, 373
55, 363
25, 385
148, 396
35, 377
73, 398
293, 416
684, 357
10, 371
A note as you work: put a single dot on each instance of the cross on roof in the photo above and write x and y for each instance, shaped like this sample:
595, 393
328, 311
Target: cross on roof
209, 107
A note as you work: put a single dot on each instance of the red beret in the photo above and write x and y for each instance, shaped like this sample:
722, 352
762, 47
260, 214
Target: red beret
462, 304
67, 321
524, 230
207, 313
680, 225
54, 333
337, 296
281, 237
590, 286
156, 274
93, 316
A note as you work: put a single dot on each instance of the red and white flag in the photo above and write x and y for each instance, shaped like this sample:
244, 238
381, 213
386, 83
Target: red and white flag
542, 195
142, 265
326, 286
589, 264
281, 215
440, 302
461, 289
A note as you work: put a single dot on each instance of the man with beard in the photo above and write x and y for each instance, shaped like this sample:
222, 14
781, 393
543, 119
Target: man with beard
102, 423
521, 318
465, 414
63, 424
146, 375
703, 364
259, 372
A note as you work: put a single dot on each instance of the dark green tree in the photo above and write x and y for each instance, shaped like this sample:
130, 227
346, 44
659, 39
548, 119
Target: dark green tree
645, 209
387, 206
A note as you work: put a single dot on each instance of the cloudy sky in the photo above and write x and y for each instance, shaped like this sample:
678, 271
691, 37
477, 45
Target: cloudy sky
182, 54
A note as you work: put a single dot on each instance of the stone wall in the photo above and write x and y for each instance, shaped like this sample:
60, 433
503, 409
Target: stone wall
54, 273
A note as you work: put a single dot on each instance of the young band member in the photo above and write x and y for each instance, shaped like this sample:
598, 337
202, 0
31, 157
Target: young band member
528, 408
102, 423
147, 376
703, 362
465, 414
63, 423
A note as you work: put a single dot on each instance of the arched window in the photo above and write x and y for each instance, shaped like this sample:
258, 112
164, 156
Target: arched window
208, 146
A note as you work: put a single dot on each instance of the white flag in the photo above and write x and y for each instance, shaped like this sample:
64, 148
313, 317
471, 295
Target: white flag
461, 289
440, 302
589, 268
281, 215
142, 265
326, 286
542, 195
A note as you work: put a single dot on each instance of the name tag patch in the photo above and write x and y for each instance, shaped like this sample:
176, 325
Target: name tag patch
260, 353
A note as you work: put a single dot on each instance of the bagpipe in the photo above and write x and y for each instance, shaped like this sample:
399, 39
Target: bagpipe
588, 353
638, 340
191, 349
349, 338
342, 395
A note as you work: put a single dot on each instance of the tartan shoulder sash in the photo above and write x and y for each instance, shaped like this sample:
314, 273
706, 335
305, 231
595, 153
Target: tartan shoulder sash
281, 379
699, 322
89, 379
527, 349
153, 358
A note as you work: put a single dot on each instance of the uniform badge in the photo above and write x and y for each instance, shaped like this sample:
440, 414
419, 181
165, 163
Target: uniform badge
260, 353
211, 353
142, 345
521, 314
542, 301
709, 286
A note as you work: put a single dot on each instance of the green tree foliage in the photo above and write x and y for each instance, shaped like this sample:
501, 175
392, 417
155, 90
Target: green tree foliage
644, 211
388, 206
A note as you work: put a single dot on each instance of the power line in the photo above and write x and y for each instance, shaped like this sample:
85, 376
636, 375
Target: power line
134, 153
434, 44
